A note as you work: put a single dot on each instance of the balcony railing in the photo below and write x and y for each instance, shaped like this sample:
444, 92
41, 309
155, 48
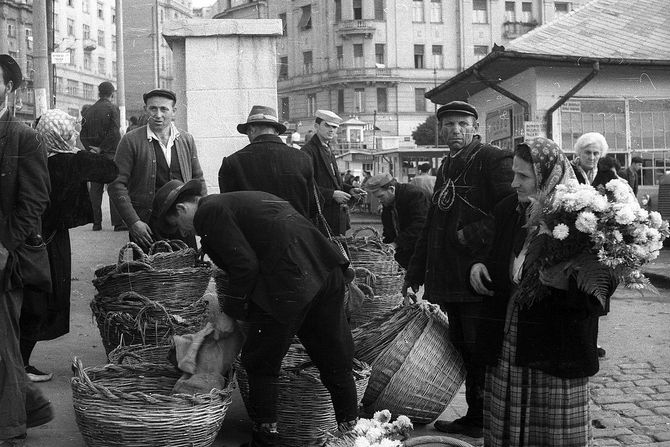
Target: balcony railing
512, 30
354, 27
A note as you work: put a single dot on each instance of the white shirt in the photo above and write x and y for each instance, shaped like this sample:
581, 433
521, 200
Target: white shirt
167, 149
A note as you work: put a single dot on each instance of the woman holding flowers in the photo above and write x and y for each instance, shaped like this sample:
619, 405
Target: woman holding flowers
539, 328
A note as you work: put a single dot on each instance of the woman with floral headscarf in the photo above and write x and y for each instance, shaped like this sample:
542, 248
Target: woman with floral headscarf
45, 316
538, 332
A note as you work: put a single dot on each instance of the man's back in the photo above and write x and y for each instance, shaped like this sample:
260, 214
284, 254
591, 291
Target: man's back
425, 182
100, 127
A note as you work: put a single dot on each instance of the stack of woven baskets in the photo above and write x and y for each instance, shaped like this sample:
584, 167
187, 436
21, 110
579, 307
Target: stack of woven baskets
148, 299
376, 268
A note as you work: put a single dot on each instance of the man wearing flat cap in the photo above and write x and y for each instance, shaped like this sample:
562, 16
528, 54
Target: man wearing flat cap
24, 195
336, 194
148, 157
404, 213
100, 133
267, 164
632, 173
471, 180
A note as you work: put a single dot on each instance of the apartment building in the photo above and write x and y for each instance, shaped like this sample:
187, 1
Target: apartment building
376, 59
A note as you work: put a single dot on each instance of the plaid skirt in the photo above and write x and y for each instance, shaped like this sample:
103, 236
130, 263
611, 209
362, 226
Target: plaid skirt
527, 407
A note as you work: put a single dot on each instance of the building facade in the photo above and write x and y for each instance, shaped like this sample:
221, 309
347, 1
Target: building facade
147, 56
376, 59
16, 22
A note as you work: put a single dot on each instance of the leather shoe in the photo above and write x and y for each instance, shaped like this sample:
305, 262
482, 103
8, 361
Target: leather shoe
97, 227
39, 416
461, 426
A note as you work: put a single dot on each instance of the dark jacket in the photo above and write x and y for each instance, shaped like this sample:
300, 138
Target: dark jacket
557, 334
451, 239
272, 254
100, 127
632, 177
328, 180
24, 189
269, 165
411, 206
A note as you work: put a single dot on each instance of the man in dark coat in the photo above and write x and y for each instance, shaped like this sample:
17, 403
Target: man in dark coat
471, 180
285, 278
336, 194
267, 164
403, 216
632, 173
24, 182
100, 133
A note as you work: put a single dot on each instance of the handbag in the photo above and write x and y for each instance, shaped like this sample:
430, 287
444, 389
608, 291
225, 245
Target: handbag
34, 267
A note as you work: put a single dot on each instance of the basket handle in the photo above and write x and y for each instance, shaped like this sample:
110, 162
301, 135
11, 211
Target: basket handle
138, 253
177, 244
160, 247
369, 277
132, 266
373, 230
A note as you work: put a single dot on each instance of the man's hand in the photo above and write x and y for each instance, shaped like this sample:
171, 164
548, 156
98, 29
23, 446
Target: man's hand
341, 197
142, 234
358, 193
4, 256
407, 285
479, 277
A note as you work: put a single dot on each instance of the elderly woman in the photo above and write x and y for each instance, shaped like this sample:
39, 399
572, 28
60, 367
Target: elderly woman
45, 316
538, 331
588, 150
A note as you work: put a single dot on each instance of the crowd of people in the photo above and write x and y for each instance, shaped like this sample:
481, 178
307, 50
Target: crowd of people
462, 235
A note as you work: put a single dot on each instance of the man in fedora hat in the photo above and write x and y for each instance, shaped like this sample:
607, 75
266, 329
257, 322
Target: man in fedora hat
404, 212
284, 279
25, 195
148, 157
471, 180
336, 194
267, 164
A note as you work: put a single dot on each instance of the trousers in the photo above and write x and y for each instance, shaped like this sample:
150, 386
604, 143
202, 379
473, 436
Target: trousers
95, 192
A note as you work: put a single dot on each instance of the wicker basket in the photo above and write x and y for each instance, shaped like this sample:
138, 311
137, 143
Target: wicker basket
132, 406
171, 288
305, 414
173, 254
221, 281
416, 371
135, 354
371, 253
435, 441
374, 307
382, 284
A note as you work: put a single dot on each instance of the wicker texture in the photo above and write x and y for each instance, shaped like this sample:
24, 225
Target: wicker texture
135, 354
381, 284
435, 441
369, 252
132, 406
416, 371
221, 282
374, 307
173, 254
305, 414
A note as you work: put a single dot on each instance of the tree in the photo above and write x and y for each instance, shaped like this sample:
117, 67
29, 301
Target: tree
424, 135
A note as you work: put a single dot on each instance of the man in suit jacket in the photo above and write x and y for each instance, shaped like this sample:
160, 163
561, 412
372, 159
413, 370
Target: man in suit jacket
424, 180
285, 278
100, 133
148, 157
404, 213
267, 164
335, 192
632, 173
24, 182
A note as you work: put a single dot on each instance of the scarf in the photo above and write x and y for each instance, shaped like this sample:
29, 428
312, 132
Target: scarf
57, 131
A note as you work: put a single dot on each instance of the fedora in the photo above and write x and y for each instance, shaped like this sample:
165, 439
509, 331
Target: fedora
167, 195
10, 66
262, 115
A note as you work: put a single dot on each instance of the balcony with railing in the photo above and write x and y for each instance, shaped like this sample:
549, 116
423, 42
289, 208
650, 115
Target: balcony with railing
356, 27
512, 30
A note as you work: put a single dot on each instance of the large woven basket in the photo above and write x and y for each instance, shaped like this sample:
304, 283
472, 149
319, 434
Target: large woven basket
368, 251
305, 414
416, 370
132, 406
173, 254
172, 288
382, 284
135, 354
374, 307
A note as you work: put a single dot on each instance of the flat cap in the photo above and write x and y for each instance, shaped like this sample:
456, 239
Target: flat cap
161, 92
457, 107
329, 117
377, 182
636, 159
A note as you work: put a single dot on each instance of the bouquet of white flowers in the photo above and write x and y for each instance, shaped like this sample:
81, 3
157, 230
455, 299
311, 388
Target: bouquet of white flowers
598, 233
376, 432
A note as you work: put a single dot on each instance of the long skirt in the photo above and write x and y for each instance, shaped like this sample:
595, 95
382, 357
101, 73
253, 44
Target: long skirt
527, 407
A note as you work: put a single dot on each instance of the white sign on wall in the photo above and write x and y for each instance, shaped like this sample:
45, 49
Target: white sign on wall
60, 57
532, 129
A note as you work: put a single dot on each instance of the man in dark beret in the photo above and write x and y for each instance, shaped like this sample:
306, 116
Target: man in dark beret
471, 180
148, 157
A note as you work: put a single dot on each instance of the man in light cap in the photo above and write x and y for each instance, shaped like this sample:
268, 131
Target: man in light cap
24, 187
404, 213
471, 180
267, 164
336, 194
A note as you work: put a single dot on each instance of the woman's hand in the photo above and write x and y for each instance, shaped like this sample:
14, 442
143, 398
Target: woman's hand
479, 278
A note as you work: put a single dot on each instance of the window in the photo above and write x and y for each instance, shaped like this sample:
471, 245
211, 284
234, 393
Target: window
70, 3
380, 55
359, 99
101, 10
527, 12
340, 56
162, 63
338, 11
306, 18
379, 9
70, 27
438, 61
114, 43
340, 101
114, 68
30, 66
102, 65
72, 56
420, 99
284, 109
58, 84
101, 38
56, 23
11, 28
86, 32
282, 17
417, 11
88, 61
29, 38
481, 51
283, 67
510, 12
85, 7
113, 15
307, 62
88, 91
358, 55
561, 9
162, 15
311, 104
382, 100
479, 11
72, 87
358, 10
418, 56
436, 11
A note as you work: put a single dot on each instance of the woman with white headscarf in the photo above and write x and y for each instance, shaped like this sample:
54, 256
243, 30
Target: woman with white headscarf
45, 316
